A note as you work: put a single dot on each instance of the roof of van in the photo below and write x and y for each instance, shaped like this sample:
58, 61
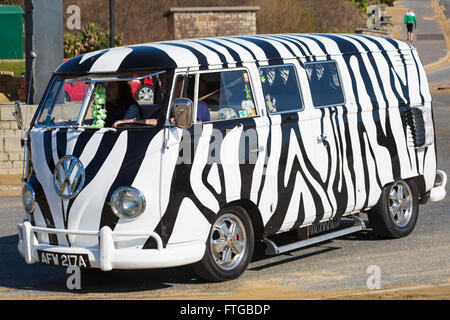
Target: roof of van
217, 52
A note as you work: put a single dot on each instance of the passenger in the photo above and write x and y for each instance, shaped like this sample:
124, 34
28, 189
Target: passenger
202, 108
120, 104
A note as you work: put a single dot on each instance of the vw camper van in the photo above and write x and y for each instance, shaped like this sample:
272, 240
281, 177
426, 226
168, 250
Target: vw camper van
247, 137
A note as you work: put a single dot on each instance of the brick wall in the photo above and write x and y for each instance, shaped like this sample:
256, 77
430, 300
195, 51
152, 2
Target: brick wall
11, 151
186, 23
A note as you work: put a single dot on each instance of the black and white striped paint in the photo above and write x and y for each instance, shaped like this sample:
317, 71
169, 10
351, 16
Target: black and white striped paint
294, 182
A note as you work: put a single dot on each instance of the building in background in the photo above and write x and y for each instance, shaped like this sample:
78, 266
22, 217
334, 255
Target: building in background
200, 22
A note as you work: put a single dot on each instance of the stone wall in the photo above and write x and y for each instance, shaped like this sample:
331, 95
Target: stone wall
187, 23
11, 151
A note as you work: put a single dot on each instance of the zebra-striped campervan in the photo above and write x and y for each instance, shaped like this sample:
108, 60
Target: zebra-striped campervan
247, 137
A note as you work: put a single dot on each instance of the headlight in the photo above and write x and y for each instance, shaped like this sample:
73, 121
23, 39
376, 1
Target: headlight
28, 197
127, 202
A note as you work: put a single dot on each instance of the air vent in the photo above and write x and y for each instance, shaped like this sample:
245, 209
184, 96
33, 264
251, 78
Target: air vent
420, 126
403, 59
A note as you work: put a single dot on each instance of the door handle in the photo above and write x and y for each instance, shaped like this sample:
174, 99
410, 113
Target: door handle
258, 149
322, 138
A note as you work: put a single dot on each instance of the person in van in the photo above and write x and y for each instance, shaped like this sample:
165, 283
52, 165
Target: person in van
120, 104
160, 91
202, 108
202, 111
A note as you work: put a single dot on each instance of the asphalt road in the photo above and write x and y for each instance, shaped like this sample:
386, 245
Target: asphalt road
428, 37
329, 269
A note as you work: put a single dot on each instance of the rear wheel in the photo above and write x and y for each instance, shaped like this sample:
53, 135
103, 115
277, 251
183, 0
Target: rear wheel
395, 214
229, 247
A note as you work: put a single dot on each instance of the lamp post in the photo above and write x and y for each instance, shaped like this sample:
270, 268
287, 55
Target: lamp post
111, 23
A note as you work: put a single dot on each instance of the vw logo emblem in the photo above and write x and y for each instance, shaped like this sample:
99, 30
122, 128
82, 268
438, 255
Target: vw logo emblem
68, 177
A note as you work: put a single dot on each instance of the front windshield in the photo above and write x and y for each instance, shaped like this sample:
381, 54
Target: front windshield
63, 103
97, 103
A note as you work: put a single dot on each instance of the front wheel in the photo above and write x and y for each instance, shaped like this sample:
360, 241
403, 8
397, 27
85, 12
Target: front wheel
395, 214
229, 247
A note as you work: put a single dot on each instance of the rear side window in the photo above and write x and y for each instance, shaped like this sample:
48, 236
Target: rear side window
325, 84
280, 88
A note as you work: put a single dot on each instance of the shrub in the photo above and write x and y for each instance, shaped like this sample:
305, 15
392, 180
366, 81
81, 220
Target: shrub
363, 4
336, 16
284, 16
90, 38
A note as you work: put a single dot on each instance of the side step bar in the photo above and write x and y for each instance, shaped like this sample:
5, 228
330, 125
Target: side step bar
273, 249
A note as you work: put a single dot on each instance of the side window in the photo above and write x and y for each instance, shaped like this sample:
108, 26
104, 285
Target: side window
280, 88
326, 89
225, 95
184, 87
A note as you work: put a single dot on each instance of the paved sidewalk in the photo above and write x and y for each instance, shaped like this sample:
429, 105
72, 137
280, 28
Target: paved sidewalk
430, 39
446, 4
10, 185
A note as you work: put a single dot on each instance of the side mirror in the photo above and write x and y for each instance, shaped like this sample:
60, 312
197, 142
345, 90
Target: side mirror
182, 110
17, 114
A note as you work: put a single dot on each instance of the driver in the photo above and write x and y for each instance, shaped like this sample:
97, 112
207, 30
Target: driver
159, 96
120, 104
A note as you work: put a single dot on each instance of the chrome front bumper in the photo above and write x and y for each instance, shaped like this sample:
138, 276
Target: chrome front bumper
105, 256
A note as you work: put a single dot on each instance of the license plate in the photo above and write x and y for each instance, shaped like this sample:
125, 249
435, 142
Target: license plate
64, 259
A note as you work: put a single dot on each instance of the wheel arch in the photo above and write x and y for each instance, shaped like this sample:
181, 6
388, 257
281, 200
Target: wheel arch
253, 213
421, 188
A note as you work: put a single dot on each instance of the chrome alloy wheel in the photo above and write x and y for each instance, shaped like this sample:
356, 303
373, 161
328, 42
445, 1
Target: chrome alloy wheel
401, 203
228, 242
145, 94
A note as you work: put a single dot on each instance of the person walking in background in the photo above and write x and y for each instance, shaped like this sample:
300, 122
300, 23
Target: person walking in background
411, 22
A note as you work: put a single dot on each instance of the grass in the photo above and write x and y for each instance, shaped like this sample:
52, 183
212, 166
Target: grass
16, 66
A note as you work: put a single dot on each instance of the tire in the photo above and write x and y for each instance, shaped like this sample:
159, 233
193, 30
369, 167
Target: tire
395, 215
229, 247
145, 93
